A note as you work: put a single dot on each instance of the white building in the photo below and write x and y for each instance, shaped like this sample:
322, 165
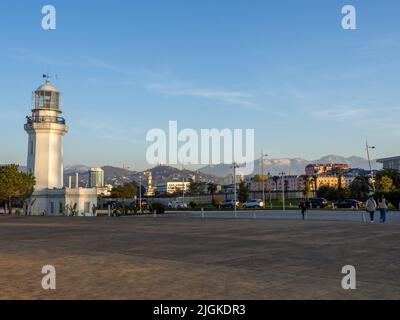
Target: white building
172, 187
46, 129
390, 163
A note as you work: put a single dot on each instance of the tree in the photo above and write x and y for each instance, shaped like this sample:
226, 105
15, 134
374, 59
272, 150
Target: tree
260, 178
392, 174
212, 188
225, 188
15, 185
275, 179
315, 181
385, 184
196, 187
327, 192
243, 193
307, 187
216, 202
126, 191
360, 188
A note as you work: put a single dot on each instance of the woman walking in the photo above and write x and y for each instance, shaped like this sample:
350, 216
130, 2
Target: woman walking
383, 208
370, 206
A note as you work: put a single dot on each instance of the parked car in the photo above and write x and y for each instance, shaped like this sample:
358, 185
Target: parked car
318, 202
349, 204
229, 204
253, 203
178, 204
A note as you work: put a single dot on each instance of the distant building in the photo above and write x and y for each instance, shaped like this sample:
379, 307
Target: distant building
316, 168
172, 187
296, 183
229, 179
290, 183
96, 177
331, 181
390, 163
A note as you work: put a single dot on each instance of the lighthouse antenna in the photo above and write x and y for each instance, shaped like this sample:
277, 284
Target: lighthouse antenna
46, 76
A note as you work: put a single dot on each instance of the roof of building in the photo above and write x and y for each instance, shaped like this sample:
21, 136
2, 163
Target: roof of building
47, 86
388, 159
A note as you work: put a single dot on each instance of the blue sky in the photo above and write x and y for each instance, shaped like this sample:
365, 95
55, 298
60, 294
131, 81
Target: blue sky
285, 68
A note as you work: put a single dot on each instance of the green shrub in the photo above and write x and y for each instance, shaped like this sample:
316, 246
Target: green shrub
394, 198
216, 202
192, 204
158, 207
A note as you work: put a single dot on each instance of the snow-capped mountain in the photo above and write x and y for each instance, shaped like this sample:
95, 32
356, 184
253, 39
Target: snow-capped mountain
293, 166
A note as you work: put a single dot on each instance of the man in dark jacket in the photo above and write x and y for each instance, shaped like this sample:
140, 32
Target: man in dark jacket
303, 208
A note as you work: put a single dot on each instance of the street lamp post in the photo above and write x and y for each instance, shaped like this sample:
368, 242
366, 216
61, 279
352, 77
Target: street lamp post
269, 191
262, 176
183, 185
283, 191
140, 192
235, 166
367, 147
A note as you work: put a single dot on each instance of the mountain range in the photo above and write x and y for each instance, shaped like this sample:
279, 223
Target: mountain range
295, 166
210, 173
117, 176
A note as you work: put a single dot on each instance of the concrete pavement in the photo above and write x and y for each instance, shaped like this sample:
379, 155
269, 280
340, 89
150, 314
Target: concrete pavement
181, 257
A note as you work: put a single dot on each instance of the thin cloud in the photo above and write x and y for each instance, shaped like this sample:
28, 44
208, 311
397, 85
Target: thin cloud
227, 97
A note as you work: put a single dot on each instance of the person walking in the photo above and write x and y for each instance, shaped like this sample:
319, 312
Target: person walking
303, 208
383, 208
370, 206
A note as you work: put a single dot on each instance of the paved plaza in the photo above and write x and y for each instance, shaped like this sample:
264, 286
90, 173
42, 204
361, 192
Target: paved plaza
187, 257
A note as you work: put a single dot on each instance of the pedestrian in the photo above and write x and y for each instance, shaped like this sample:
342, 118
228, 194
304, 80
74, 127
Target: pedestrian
303, 208
370, 206
383, 208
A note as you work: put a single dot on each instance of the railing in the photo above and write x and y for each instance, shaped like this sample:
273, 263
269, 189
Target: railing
45, 119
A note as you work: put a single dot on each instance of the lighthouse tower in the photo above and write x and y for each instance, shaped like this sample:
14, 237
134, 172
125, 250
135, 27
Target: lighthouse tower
46, 128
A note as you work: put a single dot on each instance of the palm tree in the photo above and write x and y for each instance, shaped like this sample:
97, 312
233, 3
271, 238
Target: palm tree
226, 191
315, 182
275, 179
307, 186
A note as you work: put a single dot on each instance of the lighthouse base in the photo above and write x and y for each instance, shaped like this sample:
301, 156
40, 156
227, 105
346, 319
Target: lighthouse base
63, 202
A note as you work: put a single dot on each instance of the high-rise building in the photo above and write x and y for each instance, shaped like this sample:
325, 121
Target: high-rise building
150, 189
96, 177
330, 168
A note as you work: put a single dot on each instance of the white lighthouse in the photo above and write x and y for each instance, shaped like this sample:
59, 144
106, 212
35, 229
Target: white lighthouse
46, 129
45, 143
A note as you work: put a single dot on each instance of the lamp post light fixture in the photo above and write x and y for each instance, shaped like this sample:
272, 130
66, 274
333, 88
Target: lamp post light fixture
367, 148
235, 166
